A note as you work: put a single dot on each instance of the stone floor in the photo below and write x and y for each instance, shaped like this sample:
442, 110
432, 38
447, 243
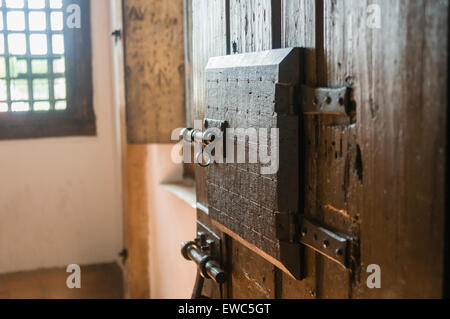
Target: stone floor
97, 282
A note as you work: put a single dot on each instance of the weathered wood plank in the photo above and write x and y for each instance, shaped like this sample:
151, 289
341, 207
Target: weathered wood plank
252, 276
250, 25
188, 56
333, 145
209, 38
138, 276
400, 89
368, 170
303, 24
379, 175
255, 26
299, 25
154, 64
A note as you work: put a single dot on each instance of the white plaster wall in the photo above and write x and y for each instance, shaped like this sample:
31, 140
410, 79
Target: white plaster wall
61, 198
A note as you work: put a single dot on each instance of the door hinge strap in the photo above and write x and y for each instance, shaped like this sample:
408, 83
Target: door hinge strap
335, 246
334, 101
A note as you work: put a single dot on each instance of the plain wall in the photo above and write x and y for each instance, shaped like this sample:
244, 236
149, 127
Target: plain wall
61, 198
171, 222
158, 223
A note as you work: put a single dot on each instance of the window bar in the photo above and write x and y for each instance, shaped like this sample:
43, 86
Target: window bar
28, 58
50, 56
51, 78
5, 38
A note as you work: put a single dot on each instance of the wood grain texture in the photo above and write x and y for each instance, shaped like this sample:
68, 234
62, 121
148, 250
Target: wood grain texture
208, 39
333, 149
299, 30
188, 61
155, 77
380, 177
138, 285
401, 130
252, 31
250, 25
251, 276
325, 156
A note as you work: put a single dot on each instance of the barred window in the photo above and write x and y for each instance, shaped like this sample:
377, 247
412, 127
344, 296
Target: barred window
45, 69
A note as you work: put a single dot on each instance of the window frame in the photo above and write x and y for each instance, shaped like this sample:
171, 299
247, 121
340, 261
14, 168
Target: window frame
79, 118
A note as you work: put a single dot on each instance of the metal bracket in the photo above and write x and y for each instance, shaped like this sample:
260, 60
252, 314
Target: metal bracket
332, 245
335, 101
117, 34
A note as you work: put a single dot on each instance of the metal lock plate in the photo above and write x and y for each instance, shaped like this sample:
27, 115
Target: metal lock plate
259, 91
250, 196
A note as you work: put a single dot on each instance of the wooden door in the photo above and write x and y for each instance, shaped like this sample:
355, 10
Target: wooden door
379, 175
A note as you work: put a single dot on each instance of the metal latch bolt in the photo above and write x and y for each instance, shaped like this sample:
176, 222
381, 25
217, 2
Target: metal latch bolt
199, 251
215, 130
